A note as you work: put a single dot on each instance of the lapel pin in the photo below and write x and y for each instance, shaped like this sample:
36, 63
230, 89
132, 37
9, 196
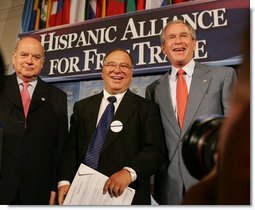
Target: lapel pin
116, 126
43, 99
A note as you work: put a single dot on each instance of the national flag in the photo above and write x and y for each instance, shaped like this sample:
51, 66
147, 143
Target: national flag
140, 5
150, 4
164, 3
131, 7
101, 8
92, 10
59, 13
43, 13
86, 10
115, 7
179, 1
66, 12
49, 6
38, 16
32, 21
53, 13
26, 15
77, 11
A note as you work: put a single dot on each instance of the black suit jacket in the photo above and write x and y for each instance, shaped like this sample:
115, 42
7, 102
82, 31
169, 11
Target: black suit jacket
30, 155
139, 145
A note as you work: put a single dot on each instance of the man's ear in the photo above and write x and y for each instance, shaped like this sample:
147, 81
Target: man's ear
163, 49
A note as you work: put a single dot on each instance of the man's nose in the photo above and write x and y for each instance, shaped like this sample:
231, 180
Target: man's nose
29, 59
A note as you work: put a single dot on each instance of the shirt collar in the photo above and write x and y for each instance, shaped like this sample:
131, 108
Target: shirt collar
118, 96
32, 83
189, 68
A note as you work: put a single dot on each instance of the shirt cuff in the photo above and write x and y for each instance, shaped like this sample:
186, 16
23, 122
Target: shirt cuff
64, 182
132, 173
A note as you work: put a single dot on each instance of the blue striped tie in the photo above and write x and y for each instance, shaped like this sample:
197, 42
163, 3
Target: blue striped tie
97, 141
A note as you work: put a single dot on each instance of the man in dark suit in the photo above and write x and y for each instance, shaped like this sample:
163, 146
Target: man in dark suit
1, 128
33, 142
130, 154
1, 71
208, 93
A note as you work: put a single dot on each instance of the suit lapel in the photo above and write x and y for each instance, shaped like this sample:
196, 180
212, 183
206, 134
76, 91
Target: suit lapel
13, 92
92, 110
89, 112
200, 81
40, 96
165, 101
123, 113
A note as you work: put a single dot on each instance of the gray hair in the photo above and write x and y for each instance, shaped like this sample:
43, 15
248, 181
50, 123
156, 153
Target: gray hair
191, 30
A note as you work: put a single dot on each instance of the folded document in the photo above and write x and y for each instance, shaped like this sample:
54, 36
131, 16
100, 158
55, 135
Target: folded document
87, 189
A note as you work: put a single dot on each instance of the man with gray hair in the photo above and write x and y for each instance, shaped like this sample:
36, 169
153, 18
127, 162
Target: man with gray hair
187, 91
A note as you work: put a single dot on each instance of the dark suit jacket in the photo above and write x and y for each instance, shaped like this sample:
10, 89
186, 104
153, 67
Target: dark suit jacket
1, 147
139, 145
30, 155
209, 94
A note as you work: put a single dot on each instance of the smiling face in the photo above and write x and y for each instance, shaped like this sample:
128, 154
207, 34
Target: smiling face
117, 72
28, 58
178, 44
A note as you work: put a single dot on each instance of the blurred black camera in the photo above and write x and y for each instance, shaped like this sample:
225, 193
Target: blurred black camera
200, 143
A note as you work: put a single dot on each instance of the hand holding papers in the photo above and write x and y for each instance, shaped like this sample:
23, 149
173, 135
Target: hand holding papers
87, 189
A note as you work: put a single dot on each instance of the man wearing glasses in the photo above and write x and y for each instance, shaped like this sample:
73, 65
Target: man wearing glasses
133, 148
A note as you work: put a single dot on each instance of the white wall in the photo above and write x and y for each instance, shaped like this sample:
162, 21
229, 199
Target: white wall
10, 17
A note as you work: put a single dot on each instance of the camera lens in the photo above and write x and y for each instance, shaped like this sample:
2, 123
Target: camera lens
199, 145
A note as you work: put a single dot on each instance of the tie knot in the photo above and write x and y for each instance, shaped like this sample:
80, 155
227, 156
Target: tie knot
111, 99
181, 72
25, 85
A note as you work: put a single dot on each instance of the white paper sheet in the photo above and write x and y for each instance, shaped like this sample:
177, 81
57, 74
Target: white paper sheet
87, 189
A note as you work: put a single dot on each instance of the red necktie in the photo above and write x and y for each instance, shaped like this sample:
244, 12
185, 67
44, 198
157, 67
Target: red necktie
181, 96
25, 98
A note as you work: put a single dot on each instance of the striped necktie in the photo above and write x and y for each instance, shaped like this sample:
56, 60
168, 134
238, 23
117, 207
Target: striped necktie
92, 156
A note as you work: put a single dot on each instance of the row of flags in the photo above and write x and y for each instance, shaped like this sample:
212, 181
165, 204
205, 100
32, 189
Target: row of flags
39, 14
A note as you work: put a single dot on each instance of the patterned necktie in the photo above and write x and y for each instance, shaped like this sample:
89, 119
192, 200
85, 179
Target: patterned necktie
92, 157
25, 98
181, 96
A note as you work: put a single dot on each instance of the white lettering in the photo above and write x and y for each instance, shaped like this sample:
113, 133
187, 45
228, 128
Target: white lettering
200, 50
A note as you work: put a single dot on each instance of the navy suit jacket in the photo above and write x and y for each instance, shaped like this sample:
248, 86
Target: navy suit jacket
30, 155
139, 145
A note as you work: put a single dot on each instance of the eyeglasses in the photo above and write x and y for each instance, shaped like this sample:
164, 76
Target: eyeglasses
122, 66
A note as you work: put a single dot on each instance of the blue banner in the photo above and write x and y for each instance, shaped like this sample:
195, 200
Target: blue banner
75, 52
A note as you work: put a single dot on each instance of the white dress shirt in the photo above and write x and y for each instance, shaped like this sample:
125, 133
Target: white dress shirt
30, 88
